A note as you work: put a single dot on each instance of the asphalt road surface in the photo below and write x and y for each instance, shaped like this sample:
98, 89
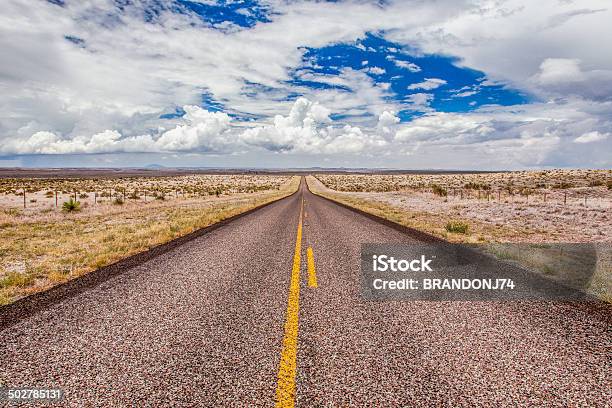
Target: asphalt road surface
268, 309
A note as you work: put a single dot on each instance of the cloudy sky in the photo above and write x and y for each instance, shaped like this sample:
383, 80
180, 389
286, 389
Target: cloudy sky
465, 84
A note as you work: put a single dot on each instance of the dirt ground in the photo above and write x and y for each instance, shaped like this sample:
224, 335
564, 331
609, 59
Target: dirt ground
571, 206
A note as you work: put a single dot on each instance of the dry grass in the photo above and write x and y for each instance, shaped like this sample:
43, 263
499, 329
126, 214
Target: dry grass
558, 206
43, 246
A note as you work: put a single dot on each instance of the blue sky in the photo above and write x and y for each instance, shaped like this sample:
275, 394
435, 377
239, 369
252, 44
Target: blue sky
400, 84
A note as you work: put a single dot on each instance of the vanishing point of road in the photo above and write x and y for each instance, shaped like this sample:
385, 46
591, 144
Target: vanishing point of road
267, 309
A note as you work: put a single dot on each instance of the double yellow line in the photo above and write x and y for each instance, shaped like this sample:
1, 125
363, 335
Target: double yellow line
285, 386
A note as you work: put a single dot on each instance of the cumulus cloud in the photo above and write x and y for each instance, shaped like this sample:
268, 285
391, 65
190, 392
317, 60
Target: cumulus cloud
591, 137
202, 131
428, 84
387, 122
564, 76
304, 130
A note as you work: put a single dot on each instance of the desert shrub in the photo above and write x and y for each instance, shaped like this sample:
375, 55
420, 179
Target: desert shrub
457, 227
609, 184
563, 185
12, 212
476, 186
71, 205
134, 196
596, 183
83, 195
440, 191
49, 194
118, 200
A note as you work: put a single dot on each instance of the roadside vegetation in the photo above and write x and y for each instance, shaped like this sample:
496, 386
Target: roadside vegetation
44, 245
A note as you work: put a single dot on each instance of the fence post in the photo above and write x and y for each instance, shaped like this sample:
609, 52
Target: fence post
55, 198
24, 197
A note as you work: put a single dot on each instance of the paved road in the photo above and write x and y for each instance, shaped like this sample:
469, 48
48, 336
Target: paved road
209, 324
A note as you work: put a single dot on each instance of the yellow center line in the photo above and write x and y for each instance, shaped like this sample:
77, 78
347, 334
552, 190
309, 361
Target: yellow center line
312, 273
285, 386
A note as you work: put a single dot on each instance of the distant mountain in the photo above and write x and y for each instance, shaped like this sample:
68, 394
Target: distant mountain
154, 166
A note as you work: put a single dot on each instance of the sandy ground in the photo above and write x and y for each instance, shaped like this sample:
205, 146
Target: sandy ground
578, 214
41, 193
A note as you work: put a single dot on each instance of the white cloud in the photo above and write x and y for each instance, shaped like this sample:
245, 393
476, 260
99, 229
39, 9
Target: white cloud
388, 118
444, 126
57, 97
387, 122
591, 137
412, 67
464, 94
376, 70
303, 131
203, 131
420, 101
428, 84
557, 70
510, 40
562, 77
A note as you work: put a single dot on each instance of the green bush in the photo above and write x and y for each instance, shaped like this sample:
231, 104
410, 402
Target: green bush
458, 227
71, 205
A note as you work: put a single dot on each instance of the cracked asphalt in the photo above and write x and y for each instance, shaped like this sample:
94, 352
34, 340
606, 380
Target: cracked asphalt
203, 325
